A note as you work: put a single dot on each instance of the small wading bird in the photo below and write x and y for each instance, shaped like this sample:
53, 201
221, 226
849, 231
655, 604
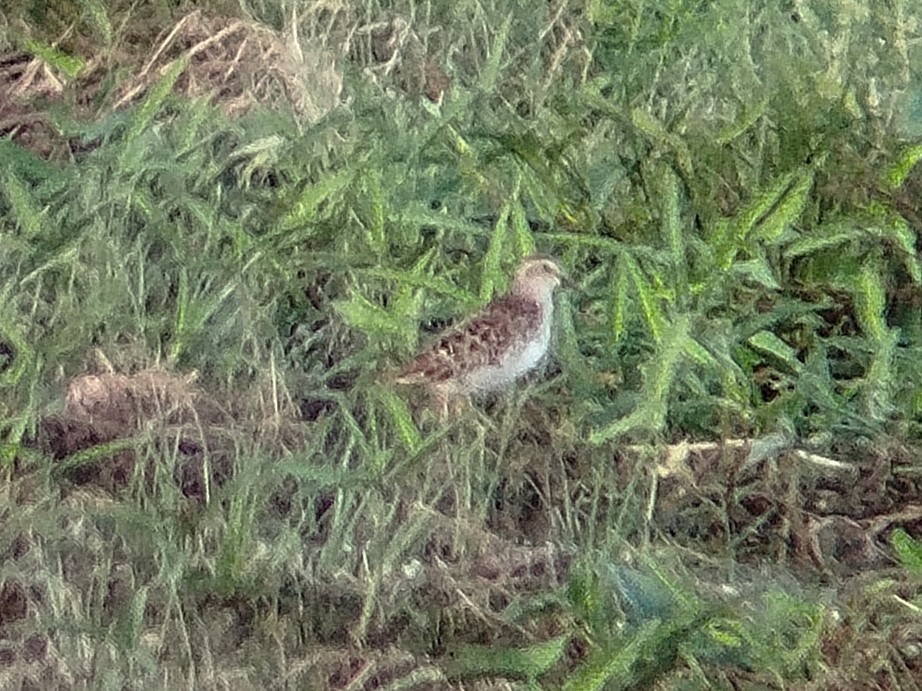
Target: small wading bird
507, 339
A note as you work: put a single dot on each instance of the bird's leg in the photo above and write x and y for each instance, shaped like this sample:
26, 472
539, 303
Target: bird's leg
440, 399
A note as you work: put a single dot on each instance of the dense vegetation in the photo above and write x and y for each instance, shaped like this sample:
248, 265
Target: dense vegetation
221, 228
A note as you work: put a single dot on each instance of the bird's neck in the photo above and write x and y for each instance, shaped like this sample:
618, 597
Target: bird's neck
545, 298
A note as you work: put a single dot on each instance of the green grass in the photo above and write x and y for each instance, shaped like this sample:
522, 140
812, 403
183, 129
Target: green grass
730, 190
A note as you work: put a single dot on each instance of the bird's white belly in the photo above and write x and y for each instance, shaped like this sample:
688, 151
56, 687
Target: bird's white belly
517, 363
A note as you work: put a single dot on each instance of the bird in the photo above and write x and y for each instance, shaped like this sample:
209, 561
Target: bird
490, 350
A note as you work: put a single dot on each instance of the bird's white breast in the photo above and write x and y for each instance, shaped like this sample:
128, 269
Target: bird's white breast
521, 359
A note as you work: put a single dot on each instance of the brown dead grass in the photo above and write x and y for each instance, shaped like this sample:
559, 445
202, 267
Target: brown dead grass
234, 63
238, 64
828, 516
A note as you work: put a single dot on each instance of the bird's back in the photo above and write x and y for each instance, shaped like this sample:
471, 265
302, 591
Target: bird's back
481, 342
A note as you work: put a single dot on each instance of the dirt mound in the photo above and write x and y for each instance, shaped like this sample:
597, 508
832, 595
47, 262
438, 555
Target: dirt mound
110, 415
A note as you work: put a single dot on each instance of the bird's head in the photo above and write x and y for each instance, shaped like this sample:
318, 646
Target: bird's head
537, 275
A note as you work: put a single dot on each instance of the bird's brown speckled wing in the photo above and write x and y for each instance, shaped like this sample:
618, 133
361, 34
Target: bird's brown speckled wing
479, 342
